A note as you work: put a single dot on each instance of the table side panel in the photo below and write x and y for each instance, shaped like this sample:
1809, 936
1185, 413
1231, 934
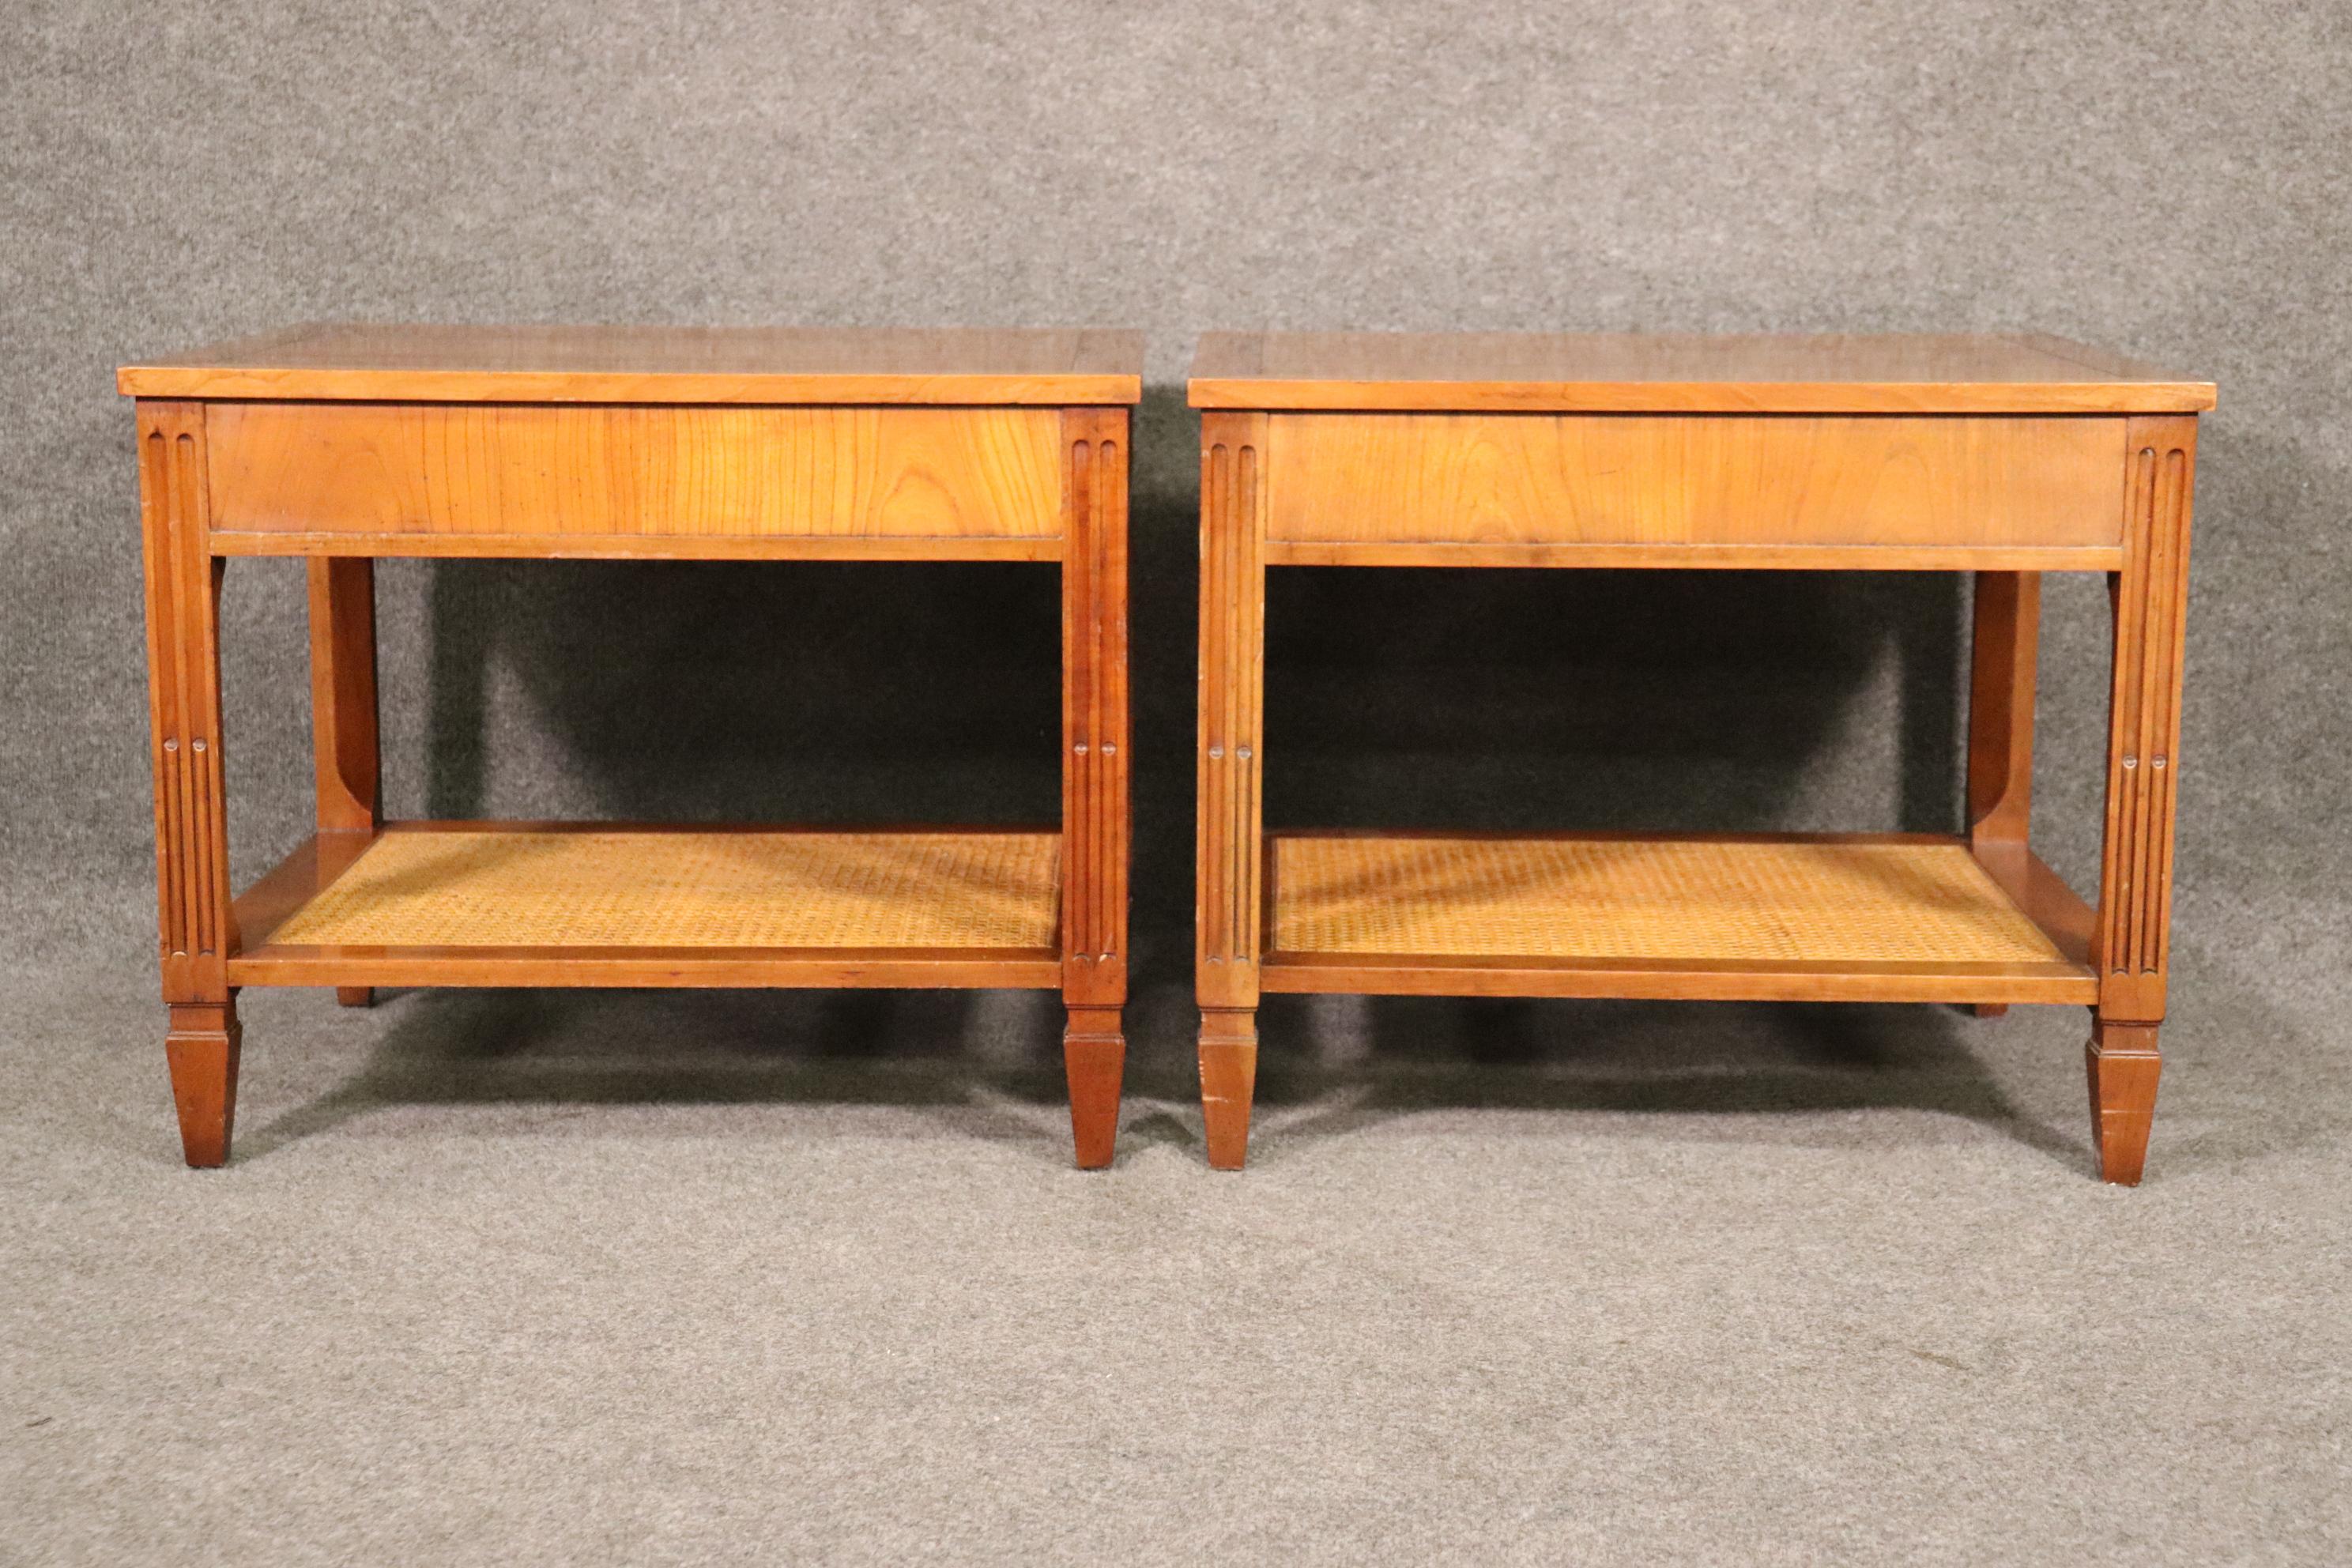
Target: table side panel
1719, 480
395, 470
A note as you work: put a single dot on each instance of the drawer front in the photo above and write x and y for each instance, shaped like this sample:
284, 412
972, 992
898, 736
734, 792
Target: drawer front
1729, 480
506, 470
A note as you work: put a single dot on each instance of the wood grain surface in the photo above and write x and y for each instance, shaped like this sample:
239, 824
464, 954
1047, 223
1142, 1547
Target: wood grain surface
1098, 829
1757, 917
1048, 367
1665, 372
1761, 483
602, 904
385, 472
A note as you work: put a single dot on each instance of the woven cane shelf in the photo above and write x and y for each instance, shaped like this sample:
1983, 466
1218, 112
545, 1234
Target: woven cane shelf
1909, 916
478, 904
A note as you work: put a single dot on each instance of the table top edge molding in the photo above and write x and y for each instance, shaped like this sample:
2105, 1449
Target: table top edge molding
197, 384
1909, 374
1703, 397
780, 367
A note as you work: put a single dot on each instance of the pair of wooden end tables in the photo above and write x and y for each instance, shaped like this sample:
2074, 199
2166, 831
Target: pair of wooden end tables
2004, 456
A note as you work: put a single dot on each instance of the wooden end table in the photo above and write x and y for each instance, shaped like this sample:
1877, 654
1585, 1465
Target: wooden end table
2007, 456
343, 444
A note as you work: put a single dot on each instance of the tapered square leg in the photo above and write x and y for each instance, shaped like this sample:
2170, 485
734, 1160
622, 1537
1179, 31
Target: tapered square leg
1229, 906
1094, 1054
1095, 825
355, 995
1228, 1082
196, 921
202, 1049
2131, 938
2123, 1065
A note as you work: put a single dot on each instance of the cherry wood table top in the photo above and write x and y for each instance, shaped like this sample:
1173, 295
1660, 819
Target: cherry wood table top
1680, 374
1059, 366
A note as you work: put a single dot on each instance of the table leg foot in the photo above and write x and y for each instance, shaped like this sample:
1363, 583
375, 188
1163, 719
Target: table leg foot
355, 995
2123, 1065
1992, 1009
202, 1049
1094, 1054
1228, 1082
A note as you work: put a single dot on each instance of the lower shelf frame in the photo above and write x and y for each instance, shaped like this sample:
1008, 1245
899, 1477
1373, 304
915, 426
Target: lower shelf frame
320, 860
2029, 886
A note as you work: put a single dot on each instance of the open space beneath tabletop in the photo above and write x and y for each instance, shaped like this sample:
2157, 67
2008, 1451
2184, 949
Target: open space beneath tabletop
1762, 917
593, 904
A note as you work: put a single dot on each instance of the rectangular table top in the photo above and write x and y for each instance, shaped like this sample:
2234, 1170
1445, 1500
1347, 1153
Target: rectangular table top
1057, 366
1675, 373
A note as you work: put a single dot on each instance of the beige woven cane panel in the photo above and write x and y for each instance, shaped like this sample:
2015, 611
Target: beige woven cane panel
493, 889
1656, 898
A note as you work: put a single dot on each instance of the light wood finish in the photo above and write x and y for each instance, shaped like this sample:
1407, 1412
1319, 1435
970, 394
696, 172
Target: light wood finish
1096, 763
2123, 1065
2151, 596
1594, 557
202, 1049
1231, 699
668, 968
344, 756
1094, 1059
1891, 898
638, 546
1668, 979
1896, 917
2044, 896
2131, 943
503, 472
184, 670
347, 444
1458, 373
567, 903
2008, 456
1855, 482
2008, 628
197, 928
2002, 651
343, 715
582, 886
1228, 1082
1051, 367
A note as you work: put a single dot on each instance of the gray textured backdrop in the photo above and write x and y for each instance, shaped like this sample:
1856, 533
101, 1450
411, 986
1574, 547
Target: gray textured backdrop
1774, 1217
2169, 181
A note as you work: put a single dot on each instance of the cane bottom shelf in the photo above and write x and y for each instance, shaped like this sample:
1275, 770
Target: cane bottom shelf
587, 903
1909, 916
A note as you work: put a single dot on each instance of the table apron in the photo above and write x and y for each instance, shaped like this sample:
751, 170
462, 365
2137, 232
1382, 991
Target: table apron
1603, 489
452, 478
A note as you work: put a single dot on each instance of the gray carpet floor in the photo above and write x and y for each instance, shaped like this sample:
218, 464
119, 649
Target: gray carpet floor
558, 1277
